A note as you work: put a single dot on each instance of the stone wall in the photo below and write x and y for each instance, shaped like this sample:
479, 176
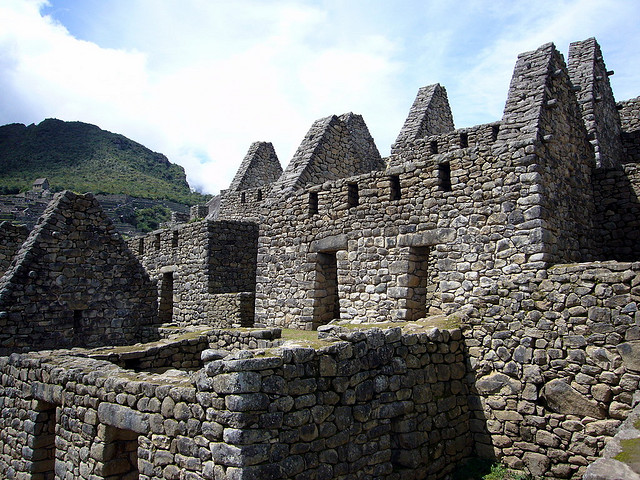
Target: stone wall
629, 111
11, 239
377, 404
617, 200
74, 282
472, 211
245, 205
205, 271
185, 350
619, 458
555, 360
630, 117
258, 168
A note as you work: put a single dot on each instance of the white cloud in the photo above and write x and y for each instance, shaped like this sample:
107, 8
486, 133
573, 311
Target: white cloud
199, 81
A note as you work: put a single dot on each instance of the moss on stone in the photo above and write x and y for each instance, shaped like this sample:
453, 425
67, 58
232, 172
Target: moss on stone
630, 453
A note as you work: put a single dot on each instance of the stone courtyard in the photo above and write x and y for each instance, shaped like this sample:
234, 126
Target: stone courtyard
474, 294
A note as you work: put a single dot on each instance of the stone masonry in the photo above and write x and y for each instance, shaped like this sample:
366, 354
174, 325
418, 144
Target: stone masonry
476, 293
11, 239
204, 270
74, 282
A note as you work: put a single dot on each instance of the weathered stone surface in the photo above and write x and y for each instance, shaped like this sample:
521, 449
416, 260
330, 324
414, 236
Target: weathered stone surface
496, 382
610, 469
562, 398
630, 352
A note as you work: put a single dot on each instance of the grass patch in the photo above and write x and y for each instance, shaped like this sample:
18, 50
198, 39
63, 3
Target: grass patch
482, 469
305, 338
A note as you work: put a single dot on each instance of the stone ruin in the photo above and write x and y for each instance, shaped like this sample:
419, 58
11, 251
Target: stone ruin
475, 294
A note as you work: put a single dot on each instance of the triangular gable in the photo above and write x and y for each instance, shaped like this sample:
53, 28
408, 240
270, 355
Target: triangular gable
334, 147
601, 118
259, 167
430, 114
74, 282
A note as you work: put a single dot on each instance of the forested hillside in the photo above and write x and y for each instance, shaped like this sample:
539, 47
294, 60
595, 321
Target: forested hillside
84, 158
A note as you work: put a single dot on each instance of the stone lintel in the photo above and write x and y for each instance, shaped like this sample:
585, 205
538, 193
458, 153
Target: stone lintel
123, 417
330, 244
427, 239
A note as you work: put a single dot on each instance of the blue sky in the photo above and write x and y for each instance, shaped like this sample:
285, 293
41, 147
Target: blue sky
199, 80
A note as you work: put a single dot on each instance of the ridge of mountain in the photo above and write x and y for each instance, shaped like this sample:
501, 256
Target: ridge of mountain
84, 158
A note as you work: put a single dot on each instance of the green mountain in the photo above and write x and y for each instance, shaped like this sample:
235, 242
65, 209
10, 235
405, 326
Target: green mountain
84, 158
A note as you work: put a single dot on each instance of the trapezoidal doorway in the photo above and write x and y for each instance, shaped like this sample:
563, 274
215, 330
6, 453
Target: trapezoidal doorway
166, 298
423, 293
327, 303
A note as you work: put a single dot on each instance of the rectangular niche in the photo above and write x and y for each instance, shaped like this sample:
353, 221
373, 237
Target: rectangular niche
395, 193
165, 312
444, 177
353, 197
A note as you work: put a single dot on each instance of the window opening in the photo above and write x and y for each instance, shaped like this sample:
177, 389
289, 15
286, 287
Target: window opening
444, 177
140, 246
464, 140
394, 187
243, 198
313, 203
433, 146
259, 195
353, 198
157, 242
495, 129
174, 239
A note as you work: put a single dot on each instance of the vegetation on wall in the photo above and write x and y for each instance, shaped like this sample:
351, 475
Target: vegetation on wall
84, 158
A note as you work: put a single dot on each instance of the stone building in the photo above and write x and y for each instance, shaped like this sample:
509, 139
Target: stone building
519, 238
205, 271
74, 282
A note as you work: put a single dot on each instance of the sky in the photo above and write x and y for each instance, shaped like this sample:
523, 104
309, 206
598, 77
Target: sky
200, 80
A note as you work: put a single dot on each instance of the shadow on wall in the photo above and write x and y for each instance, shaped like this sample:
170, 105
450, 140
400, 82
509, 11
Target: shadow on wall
617, 216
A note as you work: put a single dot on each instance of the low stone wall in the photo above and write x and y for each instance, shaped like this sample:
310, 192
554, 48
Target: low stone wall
555, 363
233, 340
376, 404
182, 353
228, 310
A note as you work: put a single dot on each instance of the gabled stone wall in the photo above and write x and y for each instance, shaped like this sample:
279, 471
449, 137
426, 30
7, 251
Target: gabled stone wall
334, 147
472, 212
74, 282
429, 115
602, 120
